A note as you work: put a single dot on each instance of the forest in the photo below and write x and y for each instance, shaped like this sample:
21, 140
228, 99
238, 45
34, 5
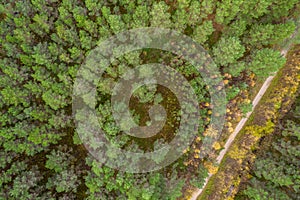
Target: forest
275, 174
44, 44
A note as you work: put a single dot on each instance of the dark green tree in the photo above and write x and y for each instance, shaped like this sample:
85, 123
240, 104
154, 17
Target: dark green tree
228, 50
266, 61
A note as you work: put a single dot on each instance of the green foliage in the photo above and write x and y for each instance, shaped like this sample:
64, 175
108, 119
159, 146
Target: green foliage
281, 8
202, 32
158, 99
292, 129
246, 107
198, 181
232, 92
180, 16
235, 69
256, 8
269, 34
276, 172
58, 161
264, 193
236, 28
266, 61
160, 17
43, 44
65, 178
14, 169
65, 181
228, 50
140, 17
23, 183
194, 14
227, 10
145, 93
207, 7
115, 22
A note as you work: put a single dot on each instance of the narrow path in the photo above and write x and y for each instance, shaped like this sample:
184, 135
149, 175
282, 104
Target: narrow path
237, 129
241, 124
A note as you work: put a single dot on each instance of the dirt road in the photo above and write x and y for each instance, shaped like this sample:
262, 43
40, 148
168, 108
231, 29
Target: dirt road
241, 124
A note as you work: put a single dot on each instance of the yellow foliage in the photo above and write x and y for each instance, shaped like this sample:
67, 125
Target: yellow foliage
247, 101
187, 194
237, 153
230, 198
259, 131
197, 150
216, 146
210, 132
187, 163
185, 151
212, 169
269, 110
